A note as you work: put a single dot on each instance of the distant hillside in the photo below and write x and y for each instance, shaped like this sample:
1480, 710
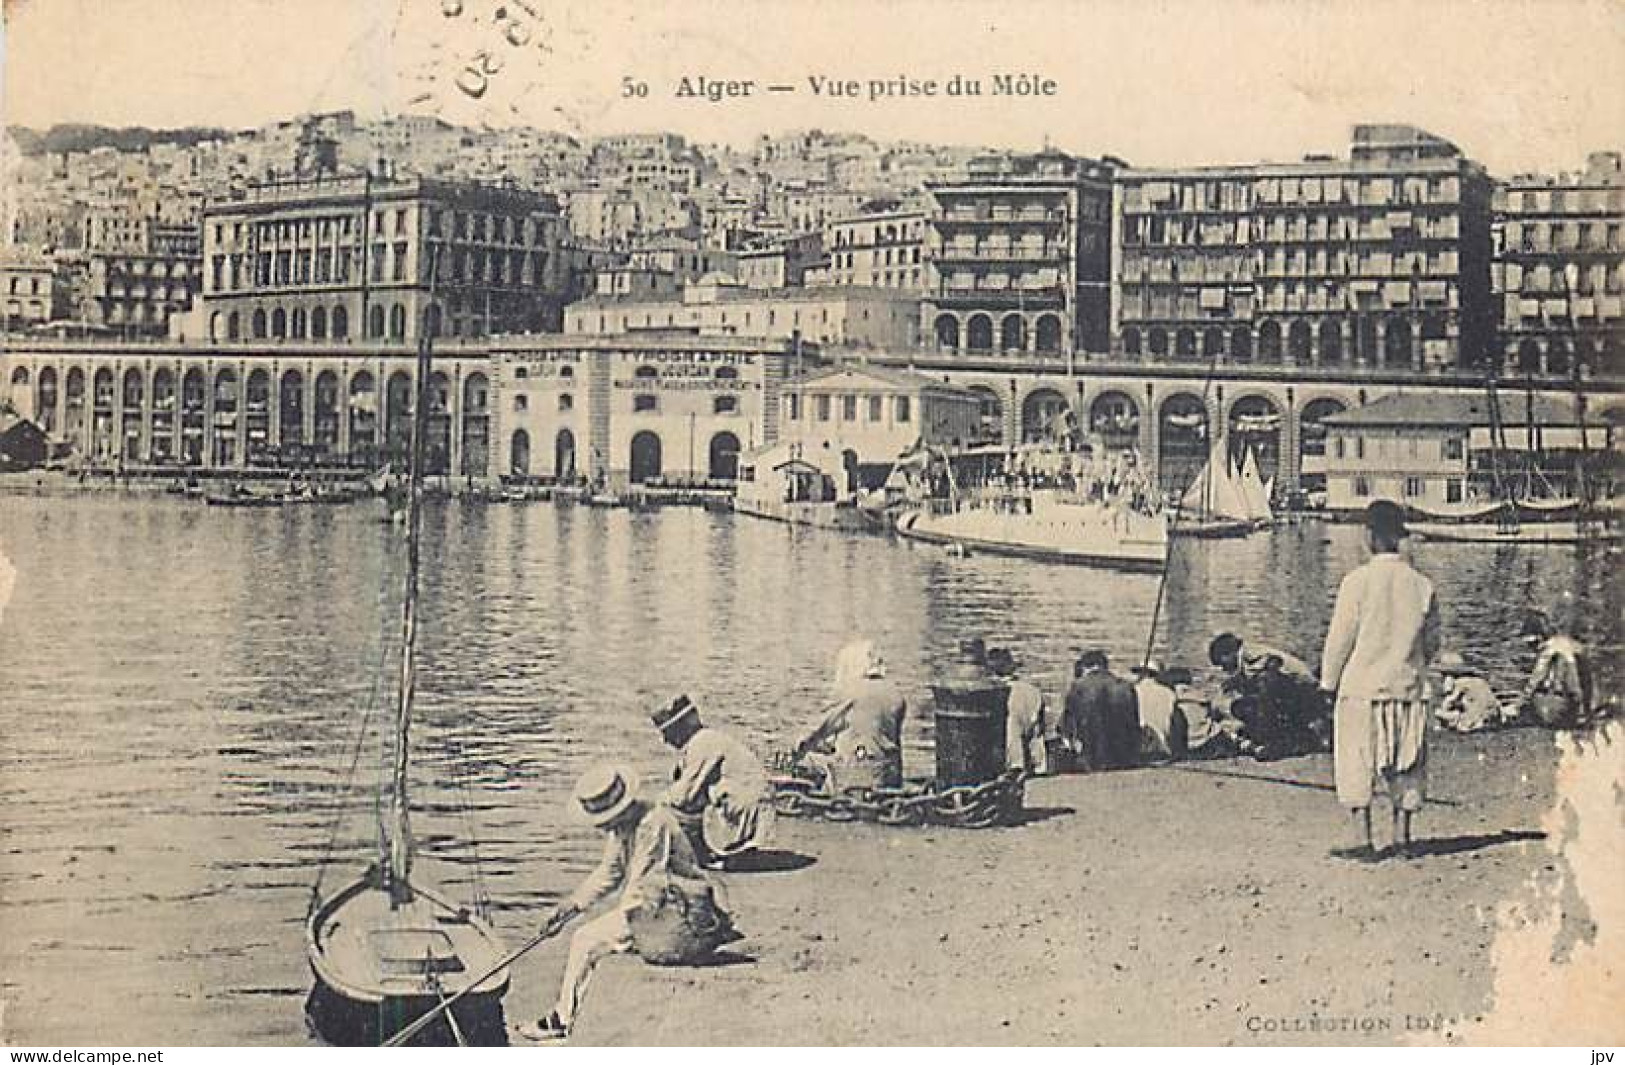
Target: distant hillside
75, 137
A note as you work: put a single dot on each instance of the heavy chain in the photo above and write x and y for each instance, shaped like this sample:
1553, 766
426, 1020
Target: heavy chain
994, 802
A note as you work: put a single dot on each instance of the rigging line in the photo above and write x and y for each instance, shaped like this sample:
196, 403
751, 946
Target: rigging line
1162, 580
349, 779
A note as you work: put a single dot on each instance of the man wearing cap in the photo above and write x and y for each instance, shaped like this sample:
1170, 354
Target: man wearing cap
647, 858
1384, 632
1101, 723
720, 792
1162, 729
1026, 717
1274, 694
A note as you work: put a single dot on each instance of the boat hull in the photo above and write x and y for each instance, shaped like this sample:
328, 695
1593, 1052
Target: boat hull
379, 967
1213, 529
1553, 533
1018, 539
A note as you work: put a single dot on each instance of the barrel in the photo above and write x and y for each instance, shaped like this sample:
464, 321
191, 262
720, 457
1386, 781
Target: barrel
969, 723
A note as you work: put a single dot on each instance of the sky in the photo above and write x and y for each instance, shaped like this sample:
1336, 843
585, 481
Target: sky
1519, 84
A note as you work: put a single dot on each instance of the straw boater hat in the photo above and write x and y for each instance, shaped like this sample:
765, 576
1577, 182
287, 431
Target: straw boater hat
604, 793
1452, 664
681, 707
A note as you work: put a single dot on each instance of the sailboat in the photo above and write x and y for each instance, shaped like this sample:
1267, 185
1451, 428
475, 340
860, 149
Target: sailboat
385, 949
1216, 503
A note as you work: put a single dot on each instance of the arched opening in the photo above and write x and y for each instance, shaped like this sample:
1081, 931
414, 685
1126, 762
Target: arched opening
341, 323
519, 453
194, 400
318, 322
437, 439
290, 408
1365, 338
398, 416
724, 457
476, 425
363, 416
1241, 344
73, 398
1185, 343
132, 392
1114, 419
257, 411
45, 396
564, 457
1331, 340
1528, 357
223, 445
133, 383
297, 324
991, 410
1044, 416
979, 333
1397, 343
217, 326
1182, 432
1300, 341
162, 446
1212, 342
1131, 341
279, 324
645, 458
259, 324
1047, 335
397, 322
947, 330
326, 425
375, 322
234, 326
1255, 429
1269, 342
1157, 341
1312, 442
1012, 334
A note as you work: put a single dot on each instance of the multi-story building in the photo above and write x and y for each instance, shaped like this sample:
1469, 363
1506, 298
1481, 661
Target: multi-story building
341, 256
1559, 270
1022, 251
835, 318
1381, 259
136, 293
29, 288
883, 249
782, 263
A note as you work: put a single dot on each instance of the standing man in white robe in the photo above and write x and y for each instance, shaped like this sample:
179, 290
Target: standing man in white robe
1384, 632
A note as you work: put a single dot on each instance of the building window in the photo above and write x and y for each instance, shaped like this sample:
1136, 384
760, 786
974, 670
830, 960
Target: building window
821, 408
566, 401
1362, 487
1359, 447
849, 408
645, 402
521, 372
521, 402
903, 413
1452, 449
1337, 447
725, 405
1452, 490
875, 407
1415, 487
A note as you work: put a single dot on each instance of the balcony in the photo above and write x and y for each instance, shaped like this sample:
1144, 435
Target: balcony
1047, 253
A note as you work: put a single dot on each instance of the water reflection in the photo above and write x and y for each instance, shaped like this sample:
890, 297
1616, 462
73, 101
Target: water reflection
181, 691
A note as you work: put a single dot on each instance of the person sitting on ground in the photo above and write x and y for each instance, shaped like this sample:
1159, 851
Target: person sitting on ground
720, 792
1275, 696
1559, 691
1467, 703
1101, 723
1026, 720
666, 910
1208, 733
858, 742
1162, 727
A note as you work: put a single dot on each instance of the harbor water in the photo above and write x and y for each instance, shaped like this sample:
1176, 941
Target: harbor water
183, 691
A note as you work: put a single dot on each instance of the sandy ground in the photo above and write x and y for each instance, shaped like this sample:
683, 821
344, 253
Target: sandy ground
1190, 905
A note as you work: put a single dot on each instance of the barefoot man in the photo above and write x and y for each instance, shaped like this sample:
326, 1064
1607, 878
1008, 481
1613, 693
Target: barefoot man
1384, 632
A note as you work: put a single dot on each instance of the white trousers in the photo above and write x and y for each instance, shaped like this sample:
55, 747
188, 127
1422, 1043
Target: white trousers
593, 942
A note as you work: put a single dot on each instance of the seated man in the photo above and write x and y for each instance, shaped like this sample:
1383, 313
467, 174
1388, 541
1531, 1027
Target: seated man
1274, 695
1208, 733
1162, 728
666, 910
863, 729
1559, 691
1026, 718
1467, 703
1101, 723
720, 792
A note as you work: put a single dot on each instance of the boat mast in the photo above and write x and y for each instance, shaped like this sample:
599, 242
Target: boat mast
400, 836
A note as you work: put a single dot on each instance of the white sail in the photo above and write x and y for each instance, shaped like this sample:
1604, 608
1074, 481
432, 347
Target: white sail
1197, 497
1216, 492
1254, 495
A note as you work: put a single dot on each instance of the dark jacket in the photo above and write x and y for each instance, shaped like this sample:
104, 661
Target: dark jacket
1102, 721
